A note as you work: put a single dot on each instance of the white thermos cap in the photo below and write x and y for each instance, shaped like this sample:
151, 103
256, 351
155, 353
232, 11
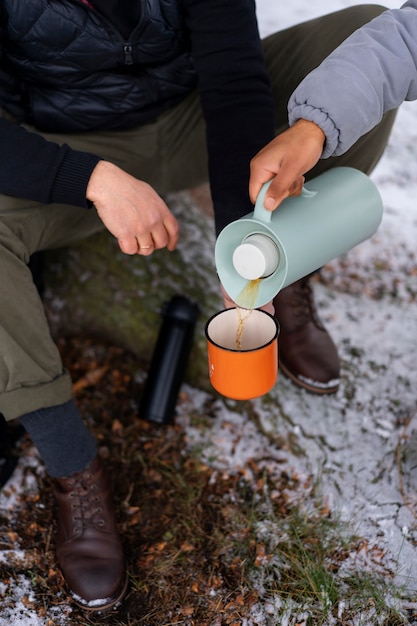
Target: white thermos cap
256, 257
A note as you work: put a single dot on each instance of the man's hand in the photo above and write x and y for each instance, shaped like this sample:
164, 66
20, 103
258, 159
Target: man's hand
286, 159
131, 210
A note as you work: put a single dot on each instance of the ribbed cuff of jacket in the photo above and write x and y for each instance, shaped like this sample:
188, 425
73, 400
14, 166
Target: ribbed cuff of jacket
297, 111
72, 178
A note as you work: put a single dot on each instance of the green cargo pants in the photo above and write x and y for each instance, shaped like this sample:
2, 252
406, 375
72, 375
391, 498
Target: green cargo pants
170, 154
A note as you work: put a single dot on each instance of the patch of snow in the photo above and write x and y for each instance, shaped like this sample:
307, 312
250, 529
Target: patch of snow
15, 609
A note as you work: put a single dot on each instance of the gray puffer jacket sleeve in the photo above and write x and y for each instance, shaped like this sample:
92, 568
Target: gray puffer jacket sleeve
371, 72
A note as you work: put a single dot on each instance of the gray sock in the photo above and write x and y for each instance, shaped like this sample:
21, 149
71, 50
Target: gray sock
64, 443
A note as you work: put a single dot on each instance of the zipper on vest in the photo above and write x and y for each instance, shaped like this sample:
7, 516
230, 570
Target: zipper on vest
127, 49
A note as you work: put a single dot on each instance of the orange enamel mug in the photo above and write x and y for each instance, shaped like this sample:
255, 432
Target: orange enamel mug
242, 347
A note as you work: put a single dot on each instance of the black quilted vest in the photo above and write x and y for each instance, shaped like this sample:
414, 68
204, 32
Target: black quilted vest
65, 68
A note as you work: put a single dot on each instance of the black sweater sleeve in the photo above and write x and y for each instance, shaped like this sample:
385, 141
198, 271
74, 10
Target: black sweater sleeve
236, 97
40, 170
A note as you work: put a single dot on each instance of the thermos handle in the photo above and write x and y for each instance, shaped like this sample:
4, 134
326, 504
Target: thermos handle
260, 213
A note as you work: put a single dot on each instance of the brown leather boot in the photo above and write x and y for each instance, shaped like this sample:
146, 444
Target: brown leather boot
89, 550
307, 353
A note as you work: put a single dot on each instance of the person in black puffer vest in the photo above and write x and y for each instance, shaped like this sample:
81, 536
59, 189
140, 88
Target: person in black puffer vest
107, 106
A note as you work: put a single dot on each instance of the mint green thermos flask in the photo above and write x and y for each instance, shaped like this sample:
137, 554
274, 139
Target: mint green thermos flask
335, 212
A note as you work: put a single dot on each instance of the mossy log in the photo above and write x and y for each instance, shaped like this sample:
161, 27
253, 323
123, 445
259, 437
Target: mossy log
93, 288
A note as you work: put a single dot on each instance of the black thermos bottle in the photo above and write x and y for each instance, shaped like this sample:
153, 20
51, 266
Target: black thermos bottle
169, 360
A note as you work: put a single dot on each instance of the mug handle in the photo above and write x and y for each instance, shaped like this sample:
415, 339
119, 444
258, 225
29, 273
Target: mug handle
261, 214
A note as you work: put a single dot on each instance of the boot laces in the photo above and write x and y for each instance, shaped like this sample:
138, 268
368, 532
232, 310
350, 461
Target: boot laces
86, 501
303, 302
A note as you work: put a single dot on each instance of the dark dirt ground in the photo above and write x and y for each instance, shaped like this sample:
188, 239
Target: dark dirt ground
186, 533
195, 556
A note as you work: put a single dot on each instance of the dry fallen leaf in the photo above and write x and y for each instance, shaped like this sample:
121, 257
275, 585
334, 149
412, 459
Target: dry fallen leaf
89, 379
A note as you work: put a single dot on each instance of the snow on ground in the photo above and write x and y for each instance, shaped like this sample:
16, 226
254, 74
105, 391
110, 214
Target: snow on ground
361, 444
